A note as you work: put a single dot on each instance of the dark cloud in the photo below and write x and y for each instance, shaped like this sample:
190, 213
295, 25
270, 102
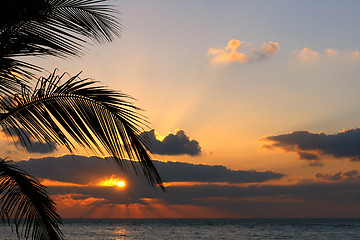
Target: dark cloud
177, 171
308, 156
82, 170
173, 144
29, 143
315, 163
313, 146
352, 173
329, 177
69, 168
39, 147
339, 176
355, 159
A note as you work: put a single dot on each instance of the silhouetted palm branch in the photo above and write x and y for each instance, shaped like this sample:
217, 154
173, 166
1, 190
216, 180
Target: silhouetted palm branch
49, 27
56, 27
25, 204
95, 117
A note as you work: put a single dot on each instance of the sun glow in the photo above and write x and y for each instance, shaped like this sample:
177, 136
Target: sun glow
121, 184
113, 182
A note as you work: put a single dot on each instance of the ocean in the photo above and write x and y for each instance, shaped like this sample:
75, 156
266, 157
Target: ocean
243, 228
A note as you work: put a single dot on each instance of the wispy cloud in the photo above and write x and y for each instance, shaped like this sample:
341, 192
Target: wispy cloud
267, 49
240, 51
332, 52
307, 55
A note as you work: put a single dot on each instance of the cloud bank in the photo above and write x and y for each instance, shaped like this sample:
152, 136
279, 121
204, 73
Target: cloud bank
83, 170
315, 146
201, 191
172, 144
238, 51
205, 197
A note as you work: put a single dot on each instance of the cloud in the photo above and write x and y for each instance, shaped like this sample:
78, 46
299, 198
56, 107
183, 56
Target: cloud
267, 49
234, 45
339, 176
84, 170
308, 156
177, 171
314, 146
329, 177
227, 57
70, 169
307, 55
39, 147
173, 144
315, 163
30, 144
238, 51
332, 52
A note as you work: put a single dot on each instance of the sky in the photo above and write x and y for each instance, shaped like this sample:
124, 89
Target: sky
253, 107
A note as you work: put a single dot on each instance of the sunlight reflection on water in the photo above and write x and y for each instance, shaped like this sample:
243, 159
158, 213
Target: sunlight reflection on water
120, 233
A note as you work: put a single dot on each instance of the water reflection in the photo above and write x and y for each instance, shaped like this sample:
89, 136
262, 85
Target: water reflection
120, 233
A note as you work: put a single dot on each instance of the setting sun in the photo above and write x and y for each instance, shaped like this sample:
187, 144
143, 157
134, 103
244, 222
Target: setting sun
113, 182
121, 184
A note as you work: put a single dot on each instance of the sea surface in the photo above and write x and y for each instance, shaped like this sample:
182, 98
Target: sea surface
116, 229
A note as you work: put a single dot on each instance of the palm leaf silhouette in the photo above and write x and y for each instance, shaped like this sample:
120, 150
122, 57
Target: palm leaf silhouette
97, 118
48, 27
25, 203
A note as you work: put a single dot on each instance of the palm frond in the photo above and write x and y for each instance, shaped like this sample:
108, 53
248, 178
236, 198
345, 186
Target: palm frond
50, 27
25, 204
15, 75
56, 27
78, 110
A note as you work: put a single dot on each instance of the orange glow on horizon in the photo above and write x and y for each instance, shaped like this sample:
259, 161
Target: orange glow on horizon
48, 182
284, 181
79, 205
